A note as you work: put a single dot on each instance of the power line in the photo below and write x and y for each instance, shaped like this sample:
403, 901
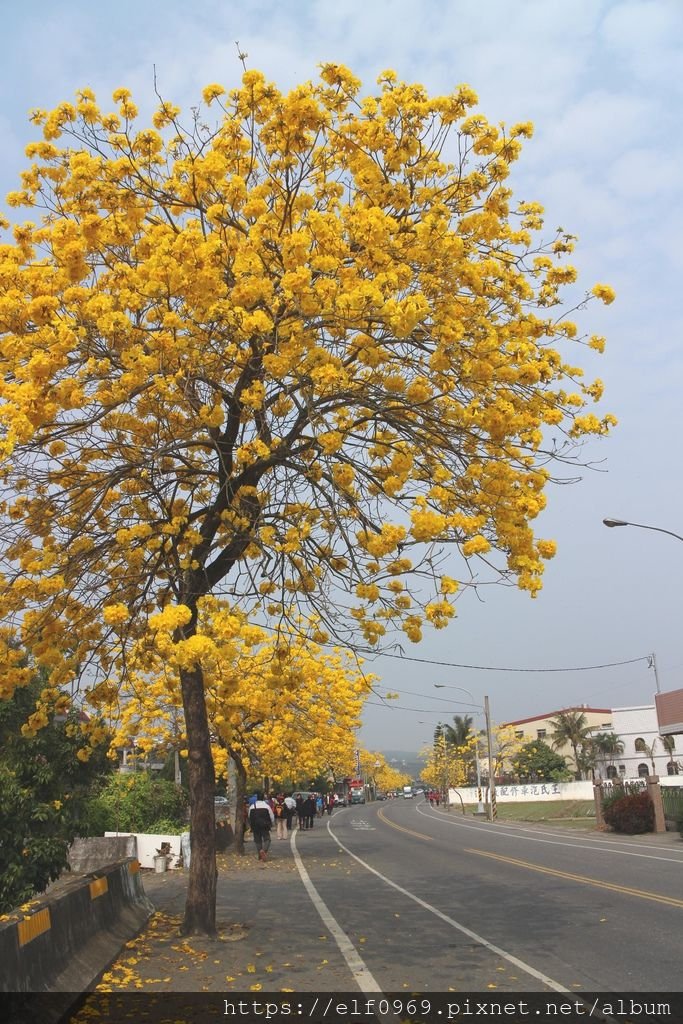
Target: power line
501, 668
399, 690
455, 664
401, 707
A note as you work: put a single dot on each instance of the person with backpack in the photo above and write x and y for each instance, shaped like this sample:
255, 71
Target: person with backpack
280, 812
261, 820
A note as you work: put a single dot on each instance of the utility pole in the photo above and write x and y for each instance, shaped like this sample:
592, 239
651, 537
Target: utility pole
480, 806
492, 779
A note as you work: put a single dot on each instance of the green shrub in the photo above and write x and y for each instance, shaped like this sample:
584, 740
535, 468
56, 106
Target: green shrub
631, 813
136, 803
167, 827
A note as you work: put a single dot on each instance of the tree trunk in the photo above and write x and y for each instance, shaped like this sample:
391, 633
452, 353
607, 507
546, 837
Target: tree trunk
200, 905
240, 797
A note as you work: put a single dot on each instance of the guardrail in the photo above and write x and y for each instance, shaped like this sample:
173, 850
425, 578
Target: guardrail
60, 942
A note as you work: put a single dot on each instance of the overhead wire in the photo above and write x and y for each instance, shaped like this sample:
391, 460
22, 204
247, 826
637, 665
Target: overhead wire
506, 668
476, 668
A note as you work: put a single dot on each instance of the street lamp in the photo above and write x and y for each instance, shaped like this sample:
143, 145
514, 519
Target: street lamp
657, 529
489, 743
641, 526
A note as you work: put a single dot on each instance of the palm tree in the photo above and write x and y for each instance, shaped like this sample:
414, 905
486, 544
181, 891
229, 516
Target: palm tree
608, 746
649, 751
457, 736
669, 744
586, 758
570, 727
459, 733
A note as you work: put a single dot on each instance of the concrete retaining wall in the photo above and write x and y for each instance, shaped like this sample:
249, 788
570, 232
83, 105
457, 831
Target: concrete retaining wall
63, 940
147, 846
96, 852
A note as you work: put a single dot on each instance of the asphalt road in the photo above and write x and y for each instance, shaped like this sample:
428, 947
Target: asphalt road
427, 899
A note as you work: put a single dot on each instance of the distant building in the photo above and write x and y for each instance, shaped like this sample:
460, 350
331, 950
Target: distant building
670, 712
636, 727
539, 727
638, 730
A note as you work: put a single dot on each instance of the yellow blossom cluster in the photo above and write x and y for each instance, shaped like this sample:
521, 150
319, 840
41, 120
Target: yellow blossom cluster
278, 705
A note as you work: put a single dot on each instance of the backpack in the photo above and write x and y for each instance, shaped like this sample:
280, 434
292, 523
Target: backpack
260, 819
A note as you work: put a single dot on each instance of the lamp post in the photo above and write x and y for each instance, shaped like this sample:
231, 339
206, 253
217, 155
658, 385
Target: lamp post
489, 742
658, 529
641, 526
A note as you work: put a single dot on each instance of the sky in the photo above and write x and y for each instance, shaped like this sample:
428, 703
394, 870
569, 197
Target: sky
601, 81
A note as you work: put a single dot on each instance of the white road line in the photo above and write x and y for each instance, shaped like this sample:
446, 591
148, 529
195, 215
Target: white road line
361, 975
519, 964
552, 842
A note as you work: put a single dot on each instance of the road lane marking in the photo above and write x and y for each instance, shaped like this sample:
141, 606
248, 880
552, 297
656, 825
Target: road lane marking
601, 844
401, 828
642, 894
519, 964
361, 973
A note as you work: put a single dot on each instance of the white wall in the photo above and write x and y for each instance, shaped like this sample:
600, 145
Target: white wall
542, 791
631, 723
528, 791
147, 846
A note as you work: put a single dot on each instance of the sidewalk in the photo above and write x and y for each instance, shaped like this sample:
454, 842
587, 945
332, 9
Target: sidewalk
270, 935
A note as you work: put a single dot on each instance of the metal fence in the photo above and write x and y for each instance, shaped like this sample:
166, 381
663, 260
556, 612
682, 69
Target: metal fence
672, 798
612, 789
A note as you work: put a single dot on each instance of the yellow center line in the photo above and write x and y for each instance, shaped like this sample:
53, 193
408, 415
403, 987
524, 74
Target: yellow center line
418, 835
640, 893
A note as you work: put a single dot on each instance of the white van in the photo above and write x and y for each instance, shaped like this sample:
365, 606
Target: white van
407, 792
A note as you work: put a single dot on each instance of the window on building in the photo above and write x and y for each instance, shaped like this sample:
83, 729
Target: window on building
622, 769
541, 734
640, 744
643, 770
606, 725
672, 768
611, 771
519, 734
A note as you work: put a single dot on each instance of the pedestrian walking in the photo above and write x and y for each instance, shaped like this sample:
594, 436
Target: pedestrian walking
261, 820
300, 811
280, 816
309, 811
290, 811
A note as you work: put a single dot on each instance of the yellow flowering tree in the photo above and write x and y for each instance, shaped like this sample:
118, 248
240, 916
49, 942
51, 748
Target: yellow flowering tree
286, 353
278, 706
447, 765
374, 767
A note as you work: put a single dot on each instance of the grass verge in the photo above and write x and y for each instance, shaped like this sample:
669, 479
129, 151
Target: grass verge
570, 813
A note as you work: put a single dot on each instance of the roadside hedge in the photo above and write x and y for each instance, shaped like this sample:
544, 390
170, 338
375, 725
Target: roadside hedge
631, 814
